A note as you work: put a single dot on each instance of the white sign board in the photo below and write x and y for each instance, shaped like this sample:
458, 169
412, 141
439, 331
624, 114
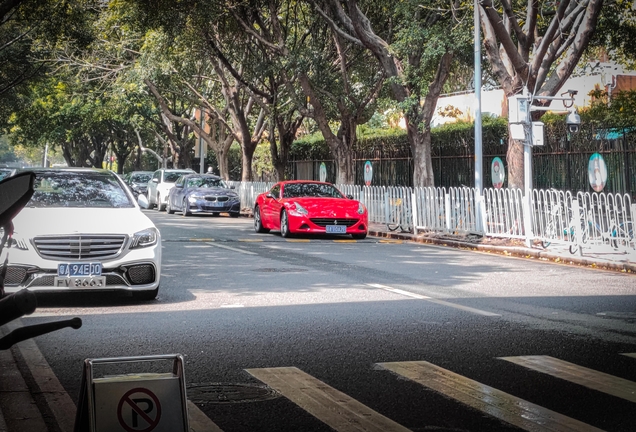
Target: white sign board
138, 403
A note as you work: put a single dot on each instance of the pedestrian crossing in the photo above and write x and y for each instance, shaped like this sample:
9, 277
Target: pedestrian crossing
343, 413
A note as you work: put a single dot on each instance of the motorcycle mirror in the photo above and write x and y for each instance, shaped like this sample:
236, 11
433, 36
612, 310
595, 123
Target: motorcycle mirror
15, 192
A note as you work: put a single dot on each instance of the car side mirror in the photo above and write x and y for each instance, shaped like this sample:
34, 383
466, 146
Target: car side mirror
269, 195
154, 180
178, 186
142, 200
350, 196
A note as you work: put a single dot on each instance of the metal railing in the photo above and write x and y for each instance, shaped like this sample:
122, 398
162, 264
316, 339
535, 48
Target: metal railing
597, 222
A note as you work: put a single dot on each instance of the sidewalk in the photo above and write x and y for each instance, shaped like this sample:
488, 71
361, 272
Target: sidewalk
610, 260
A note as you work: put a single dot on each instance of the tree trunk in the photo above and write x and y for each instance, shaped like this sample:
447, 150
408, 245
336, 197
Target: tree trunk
224, 166
514, 160
421, 149
344, 159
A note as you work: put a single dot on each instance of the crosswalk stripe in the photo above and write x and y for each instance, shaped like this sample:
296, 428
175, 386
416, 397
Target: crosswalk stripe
496, 403
629, 354
327, 404
590, 378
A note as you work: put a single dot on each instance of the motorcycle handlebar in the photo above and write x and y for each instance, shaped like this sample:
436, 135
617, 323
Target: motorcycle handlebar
16, 305
23, 333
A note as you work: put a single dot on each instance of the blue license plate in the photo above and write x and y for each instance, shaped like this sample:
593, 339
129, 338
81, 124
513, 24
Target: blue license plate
336, 229
79, 269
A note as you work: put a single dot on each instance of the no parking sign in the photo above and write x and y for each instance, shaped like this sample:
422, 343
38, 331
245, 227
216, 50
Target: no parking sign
140, 402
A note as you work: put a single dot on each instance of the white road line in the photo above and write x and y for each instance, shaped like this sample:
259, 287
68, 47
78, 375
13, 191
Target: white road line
489, 400
433, 300
334, 408
232, 249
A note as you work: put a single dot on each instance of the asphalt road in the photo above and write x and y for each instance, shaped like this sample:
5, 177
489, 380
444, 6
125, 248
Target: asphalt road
314, 334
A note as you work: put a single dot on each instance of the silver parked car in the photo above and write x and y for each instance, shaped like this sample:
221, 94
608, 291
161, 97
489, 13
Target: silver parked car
160, 184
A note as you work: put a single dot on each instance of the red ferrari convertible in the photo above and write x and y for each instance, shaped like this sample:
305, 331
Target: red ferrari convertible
297, 207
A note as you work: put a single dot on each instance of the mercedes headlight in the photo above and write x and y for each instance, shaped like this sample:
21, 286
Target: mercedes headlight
145, 238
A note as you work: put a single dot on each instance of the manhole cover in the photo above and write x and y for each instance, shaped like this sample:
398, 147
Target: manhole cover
227, 393
279, 270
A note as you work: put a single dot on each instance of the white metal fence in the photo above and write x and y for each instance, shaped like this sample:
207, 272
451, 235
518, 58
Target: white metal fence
585, 222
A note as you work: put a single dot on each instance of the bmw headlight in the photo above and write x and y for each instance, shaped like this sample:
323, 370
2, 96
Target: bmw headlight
194, 198
298, 210
361, 208
145, 238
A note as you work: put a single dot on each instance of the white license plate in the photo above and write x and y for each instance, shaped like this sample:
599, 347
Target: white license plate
79, 269
336, 229
80, 282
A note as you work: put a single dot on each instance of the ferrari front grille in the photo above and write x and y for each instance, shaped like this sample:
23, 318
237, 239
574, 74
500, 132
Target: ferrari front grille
334, 221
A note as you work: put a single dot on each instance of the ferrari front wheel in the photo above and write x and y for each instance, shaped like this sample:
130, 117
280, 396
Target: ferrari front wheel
361, 236
284, 225
258, 222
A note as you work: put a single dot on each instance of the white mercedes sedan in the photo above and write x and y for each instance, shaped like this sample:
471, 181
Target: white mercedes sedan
82, 230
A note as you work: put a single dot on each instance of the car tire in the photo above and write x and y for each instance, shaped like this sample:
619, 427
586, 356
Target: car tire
159, 205
258, 222
169, 208
359, 236
186, 208
284, 225
146, 295
235, 215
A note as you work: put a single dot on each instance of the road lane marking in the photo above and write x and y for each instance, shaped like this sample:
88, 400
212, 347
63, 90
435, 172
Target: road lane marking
232, 249
589, 378
391, 241
633, 355
489, 400
199, 422
201, 239
297, 240
345, 241
249, 240
434, 300
332, 407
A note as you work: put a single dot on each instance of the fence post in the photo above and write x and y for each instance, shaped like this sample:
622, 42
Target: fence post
527, 216
447, 208
414, 211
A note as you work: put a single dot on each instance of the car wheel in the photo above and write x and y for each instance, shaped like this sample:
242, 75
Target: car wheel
284, 225
185, 209
258, 223
146, 295
159, 205
169, 208
359, 236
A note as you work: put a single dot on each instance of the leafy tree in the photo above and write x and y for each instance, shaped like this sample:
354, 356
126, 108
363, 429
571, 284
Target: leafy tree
535, 45
415, 46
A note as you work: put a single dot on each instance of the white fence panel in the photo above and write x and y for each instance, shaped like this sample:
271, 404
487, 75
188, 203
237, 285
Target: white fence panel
607, 222
504, 213
430, 209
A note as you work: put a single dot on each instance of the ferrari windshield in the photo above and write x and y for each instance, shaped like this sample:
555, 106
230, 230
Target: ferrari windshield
320, 190
78, 189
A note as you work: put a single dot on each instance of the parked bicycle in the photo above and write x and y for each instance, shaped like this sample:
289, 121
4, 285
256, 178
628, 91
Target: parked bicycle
607, 231
399, 215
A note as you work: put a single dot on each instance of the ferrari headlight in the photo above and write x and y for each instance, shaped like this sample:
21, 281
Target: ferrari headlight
298, 210
145, 238
361, 208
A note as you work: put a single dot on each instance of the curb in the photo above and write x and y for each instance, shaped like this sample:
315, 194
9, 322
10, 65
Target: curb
623, 267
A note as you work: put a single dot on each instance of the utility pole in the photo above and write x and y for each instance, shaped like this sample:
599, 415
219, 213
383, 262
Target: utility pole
479, 181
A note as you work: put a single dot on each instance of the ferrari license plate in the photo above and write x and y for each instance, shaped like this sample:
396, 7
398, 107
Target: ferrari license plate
336, 229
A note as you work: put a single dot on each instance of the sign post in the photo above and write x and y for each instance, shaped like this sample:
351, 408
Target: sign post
133, 402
